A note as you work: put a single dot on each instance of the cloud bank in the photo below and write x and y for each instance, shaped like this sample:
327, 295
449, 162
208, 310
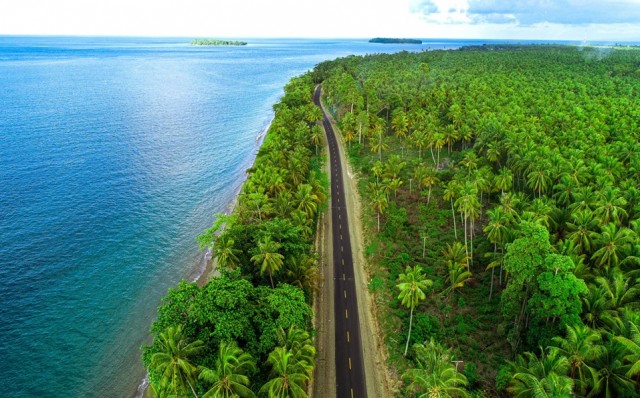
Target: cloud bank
529, 12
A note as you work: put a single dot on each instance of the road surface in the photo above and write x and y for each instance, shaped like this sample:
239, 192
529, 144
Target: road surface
350, 379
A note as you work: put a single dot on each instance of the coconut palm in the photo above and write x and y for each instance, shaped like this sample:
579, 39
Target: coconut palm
435, 376
302, 271
225, 253
173, 360
541, 377
413, 284
229, 376
380, 202
268, 258
458, 276
612, 242
456, 254
612, 373
633, 349
610, 206
450, 193
497, 230
581, 345
469, 205
289, 376
298, 342
317, 133
429, 180
307, 200
582, 230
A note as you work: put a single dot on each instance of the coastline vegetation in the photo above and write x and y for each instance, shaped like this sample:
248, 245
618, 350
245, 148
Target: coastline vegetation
501, 195
247, 332
216, 42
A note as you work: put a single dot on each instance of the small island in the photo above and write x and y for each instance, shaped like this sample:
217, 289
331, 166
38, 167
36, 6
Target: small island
386, 40
216, 42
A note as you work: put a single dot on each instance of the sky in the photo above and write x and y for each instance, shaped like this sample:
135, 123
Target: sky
589, 20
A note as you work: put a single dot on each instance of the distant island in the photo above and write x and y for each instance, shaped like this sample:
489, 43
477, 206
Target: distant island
386, 40
216, 42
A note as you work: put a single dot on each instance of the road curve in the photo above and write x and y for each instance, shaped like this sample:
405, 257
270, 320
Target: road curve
350, 378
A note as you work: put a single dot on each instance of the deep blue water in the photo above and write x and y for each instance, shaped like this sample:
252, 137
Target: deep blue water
114, 155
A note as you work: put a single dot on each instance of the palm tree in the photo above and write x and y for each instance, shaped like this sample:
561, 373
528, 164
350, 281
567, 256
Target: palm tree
504, 180
298, 342
225, 254
268, 258
413, 284
469, 205
581, 345
497, 230
435, 376
429, 180
289, 376
316, 136
582, 230
229, 378
380, 201
450, 193
456, 254
612, 372
307, 200
458, 276
610, 206
173, 360
633, 348
399, 123
539, 180
302, 271
541, 377
619, 290
612, 242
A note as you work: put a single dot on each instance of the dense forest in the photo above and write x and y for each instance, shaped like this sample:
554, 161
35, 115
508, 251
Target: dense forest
502, 208
247, 331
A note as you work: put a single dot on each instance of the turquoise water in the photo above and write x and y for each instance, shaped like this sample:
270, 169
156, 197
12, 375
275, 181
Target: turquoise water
114, 155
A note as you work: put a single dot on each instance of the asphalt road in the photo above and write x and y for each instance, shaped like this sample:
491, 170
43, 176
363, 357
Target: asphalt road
350, 380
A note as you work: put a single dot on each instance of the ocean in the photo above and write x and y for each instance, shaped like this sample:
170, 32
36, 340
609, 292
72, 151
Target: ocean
115, 153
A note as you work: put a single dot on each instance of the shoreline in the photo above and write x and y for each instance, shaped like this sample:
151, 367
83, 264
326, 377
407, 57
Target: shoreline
205, 268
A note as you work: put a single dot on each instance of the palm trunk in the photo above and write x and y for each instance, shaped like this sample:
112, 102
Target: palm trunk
271, 278
406, 347
493, 269
453, 213
466, 247
471, 237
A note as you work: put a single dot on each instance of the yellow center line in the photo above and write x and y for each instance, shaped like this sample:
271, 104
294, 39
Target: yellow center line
342, 248
349, 363
344, 278
345, 294
348, 336
352, 393
346, 313
343, 261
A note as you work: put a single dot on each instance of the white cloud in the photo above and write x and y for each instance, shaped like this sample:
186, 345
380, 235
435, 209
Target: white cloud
531, 19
